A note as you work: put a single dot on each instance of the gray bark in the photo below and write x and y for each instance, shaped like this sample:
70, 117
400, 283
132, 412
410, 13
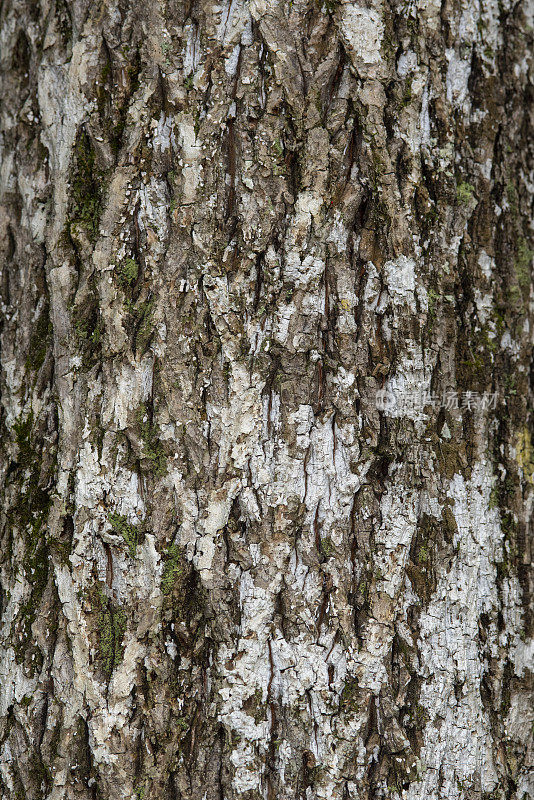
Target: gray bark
228, 232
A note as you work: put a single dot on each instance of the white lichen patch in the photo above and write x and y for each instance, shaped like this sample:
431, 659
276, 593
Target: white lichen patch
408, 391
484, 305
448, 645
486, 264
192, 155
402, 284
133, 387
233, 19
363, 30
458, 72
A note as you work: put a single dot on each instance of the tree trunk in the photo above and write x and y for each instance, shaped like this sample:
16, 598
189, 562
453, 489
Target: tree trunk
266, 400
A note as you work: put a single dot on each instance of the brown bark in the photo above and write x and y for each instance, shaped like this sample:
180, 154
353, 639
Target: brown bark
252, 255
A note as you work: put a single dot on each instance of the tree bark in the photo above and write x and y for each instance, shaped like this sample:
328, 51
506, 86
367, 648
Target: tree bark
266, 400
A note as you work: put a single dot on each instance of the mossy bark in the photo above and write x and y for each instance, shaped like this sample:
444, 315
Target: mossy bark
266, 400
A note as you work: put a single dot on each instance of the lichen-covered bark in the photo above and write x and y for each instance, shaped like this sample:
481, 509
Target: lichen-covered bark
226, 570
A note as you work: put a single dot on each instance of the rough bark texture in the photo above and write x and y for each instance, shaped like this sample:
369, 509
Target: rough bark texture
226, 573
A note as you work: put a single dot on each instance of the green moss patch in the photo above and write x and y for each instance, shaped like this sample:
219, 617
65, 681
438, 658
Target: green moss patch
464, 192
172, 569
130, 533
153, 450
139, 324
349, 696
523, 261
29, 514
40, 341
86, 189
111, 626
88, 329
127, 272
